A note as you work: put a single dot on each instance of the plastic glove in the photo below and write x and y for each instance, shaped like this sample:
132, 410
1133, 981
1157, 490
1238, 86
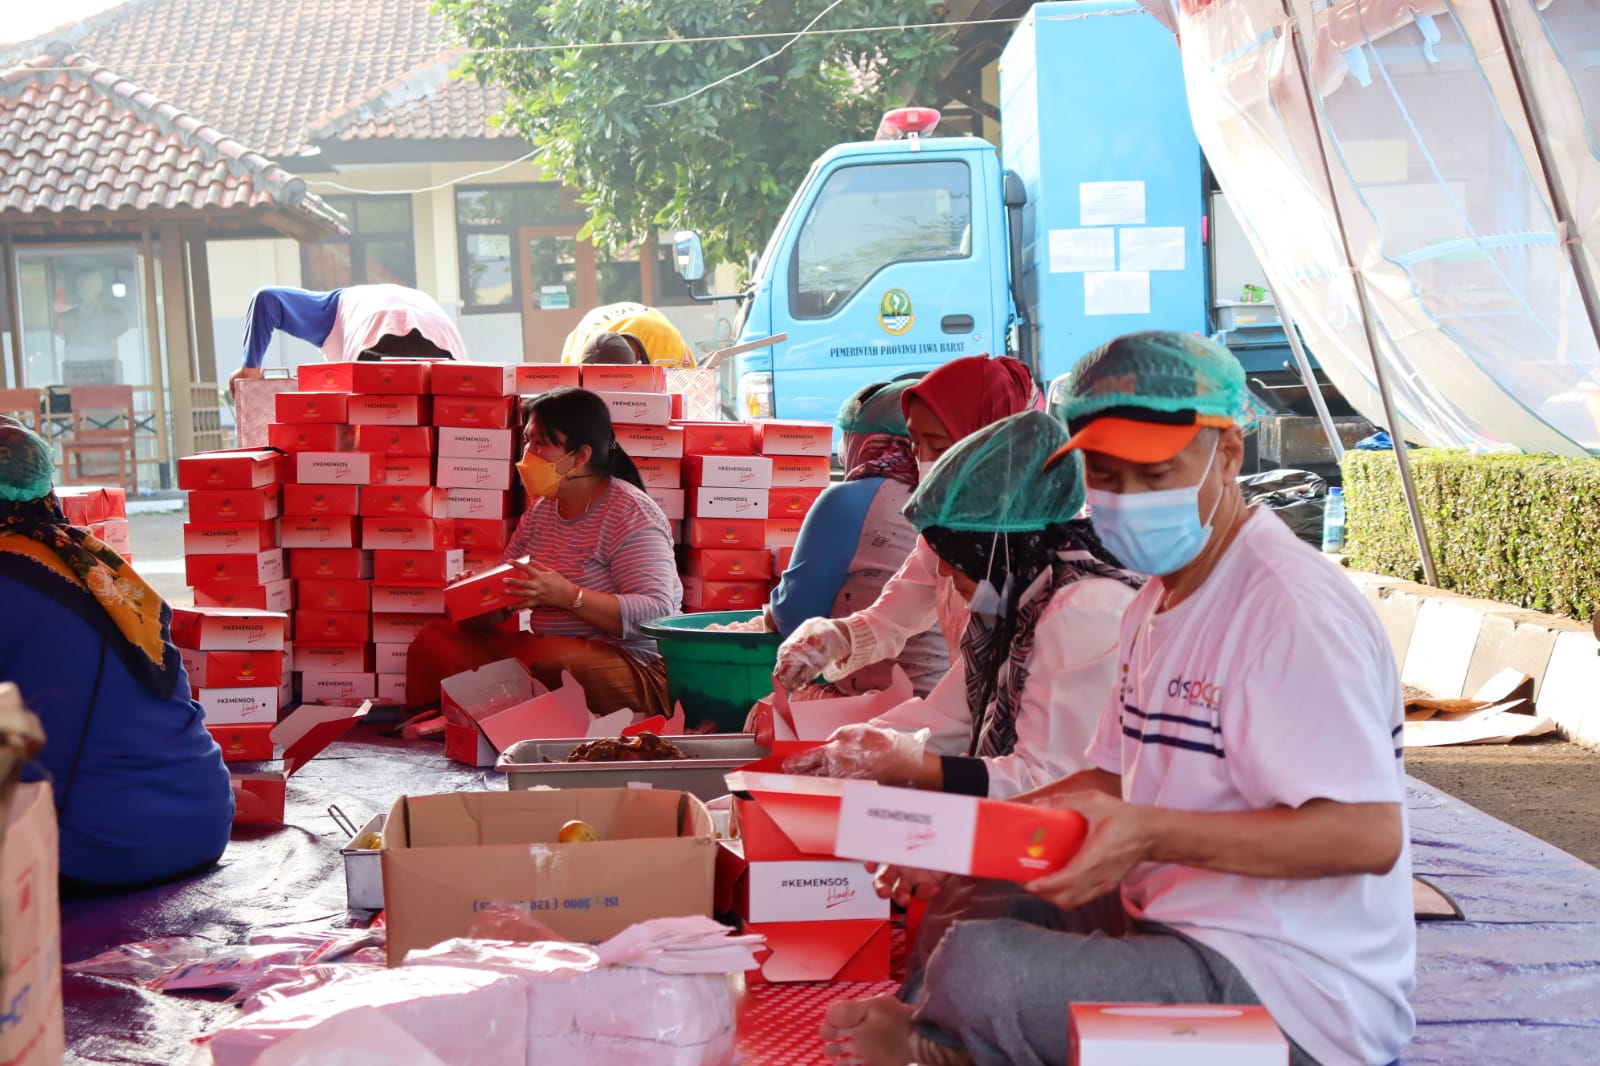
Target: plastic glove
811, 648
868, 753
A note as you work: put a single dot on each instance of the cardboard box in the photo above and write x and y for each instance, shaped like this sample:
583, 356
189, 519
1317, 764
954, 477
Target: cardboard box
701, 595
310, 531
801, 472
334, 658
333, 564
481, 594
456, 472
401, 501
396, 441
83, 504
254, 705
406, 534
272, 596
309, 437
651, 442
1121, 1034
326, 408
405, 377
454, 378
534, 379
475, 412
638, 408
671, 501
326, 377
435, 569
407, 599
601, 377
728, 471
730, 503
384, 410
253, 568
258, 798
725, 564
317, 687
389, 659
392, 689
480, 534
243, 743
407, 470
719, 438
30, 925
245, 505
323, 595
232, 669
227, 538
476, 503
339, 468
323, 500
330, 627
445, 856
749, 533
241, 469
794, 438
791, 503
659, 473
394, 628
484, 443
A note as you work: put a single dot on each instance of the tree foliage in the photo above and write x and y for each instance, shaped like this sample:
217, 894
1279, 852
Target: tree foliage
725, 161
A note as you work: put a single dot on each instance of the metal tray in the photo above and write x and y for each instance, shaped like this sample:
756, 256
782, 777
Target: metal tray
710, 758
363, 869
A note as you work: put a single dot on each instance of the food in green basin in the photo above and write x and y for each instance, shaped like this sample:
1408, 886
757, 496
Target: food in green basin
714, 674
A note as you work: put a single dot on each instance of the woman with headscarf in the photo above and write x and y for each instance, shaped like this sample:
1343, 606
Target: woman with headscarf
949, 404
854, 539
1019, 706
142, 795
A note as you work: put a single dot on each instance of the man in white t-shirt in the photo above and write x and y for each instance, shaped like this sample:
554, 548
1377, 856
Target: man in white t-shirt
1247, 839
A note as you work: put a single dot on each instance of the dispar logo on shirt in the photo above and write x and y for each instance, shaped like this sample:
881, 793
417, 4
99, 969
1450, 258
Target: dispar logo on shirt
1196, 693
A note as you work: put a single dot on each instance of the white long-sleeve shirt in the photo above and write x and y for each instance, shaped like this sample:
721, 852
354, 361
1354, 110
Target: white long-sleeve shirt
911, 602
1070, 675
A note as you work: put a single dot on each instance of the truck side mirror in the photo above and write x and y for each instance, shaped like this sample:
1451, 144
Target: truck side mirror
689, 255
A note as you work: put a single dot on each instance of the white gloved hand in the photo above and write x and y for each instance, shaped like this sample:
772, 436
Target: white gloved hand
816, 644
868, 753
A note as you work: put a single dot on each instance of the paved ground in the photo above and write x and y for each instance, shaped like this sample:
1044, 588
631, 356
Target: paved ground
1544, 787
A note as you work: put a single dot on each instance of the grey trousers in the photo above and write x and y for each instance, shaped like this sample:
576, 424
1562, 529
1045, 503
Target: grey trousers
994, 970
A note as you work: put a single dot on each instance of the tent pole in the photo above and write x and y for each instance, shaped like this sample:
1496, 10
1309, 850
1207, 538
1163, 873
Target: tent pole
1310, 377
1368, 319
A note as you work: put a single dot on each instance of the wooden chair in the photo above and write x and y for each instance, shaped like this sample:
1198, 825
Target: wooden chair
102, 424
23, 405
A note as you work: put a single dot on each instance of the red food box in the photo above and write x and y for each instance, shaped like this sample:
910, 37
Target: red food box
227, 629
475, 561
228, 538
601, 377
719, 438
474, 379
339, 468
701, 595
319, 532
748, 533
456, 442
334, 658
258, 798
414, 470
671, 502
783, 532
659, 473
271, 596
401, 501
233, 669
638, 408
336, 564
474, 412
392, 689
431, 568
405, 534
794, 438
330, 627
87, 504
718, 502
320, 595
397, 628
791, 503
533, 379
801, 472
651, 442
326, 377
409, 442
243, 743
385, 410
458, 473
240, 469
725, 564
480, 534
308, 437
321, 500
323, 408
337, 688
392, 377
245, 505
406, 599
391, 658
480, 594
728, 471
781, 558
254, 568
476, 503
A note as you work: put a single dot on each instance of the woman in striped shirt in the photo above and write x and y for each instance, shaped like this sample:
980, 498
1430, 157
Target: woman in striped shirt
599, 565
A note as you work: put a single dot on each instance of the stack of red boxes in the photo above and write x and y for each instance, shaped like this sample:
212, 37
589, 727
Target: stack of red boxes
235, 658
102, 510
801, 468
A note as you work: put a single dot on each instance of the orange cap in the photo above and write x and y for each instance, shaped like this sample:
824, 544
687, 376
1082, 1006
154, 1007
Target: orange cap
1135, 440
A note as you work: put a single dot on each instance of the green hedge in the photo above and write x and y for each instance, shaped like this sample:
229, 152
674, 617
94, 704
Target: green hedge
1521, 529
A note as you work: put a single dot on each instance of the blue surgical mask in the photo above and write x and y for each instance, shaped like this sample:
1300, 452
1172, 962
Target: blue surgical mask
1155, 533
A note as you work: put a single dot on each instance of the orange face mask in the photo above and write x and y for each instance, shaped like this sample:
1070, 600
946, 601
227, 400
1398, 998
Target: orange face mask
539, 475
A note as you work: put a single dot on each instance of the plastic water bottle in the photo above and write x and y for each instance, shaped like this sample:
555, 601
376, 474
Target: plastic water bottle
1333, 521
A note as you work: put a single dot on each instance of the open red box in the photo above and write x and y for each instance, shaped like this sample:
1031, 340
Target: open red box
258, 798
493, 707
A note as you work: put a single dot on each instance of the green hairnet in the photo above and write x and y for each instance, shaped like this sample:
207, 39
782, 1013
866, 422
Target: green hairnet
875, 409
1158, 371
991, 481
27, 464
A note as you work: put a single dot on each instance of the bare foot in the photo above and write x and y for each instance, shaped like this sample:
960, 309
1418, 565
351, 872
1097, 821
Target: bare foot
878, 1032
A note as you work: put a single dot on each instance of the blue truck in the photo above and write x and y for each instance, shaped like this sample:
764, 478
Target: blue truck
898, 254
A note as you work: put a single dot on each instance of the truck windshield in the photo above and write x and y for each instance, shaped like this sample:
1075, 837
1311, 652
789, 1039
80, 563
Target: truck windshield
867, 217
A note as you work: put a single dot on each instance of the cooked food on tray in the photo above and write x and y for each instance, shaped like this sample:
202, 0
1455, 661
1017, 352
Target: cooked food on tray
646, 747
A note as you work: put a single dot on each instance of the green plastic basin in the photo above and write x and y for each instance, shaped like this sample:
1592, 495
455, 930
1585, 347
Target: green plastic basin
715, 675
